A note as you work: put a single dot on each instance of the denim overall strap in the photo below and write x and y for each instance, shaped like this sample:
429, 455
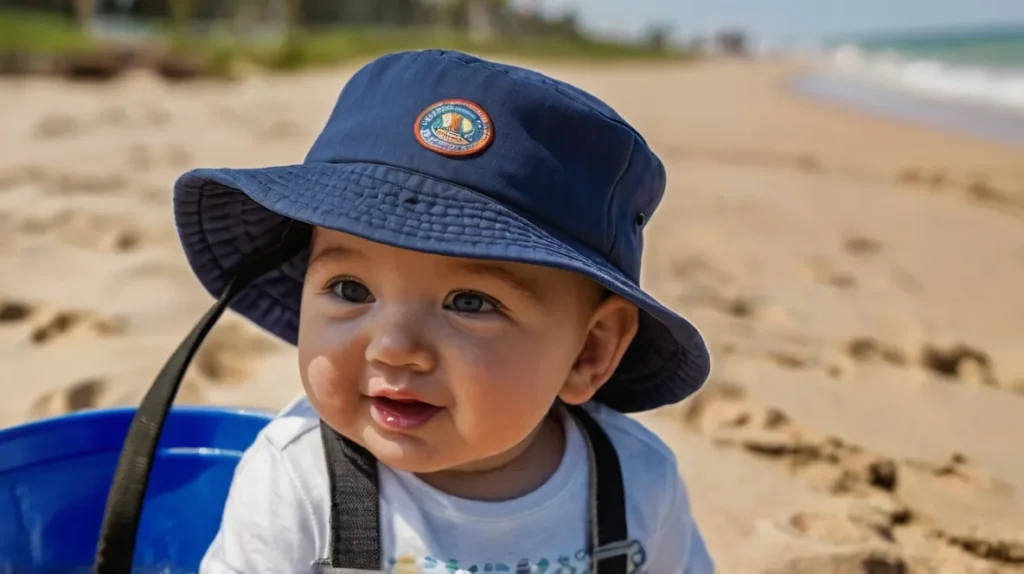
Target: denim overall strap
355, 504
355, 507
609, 533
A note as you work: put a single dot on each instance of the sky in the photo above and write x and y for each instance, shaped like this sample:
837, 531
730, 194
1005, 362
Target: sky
784, 22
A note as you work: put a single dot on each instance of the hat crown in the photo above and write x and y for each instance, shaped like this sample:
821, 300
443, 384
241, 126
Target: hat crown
556, 155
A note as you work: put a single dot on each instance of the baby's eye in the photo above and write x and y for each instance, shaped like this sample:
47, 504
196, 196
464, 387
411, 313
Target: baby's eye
466, 302
352, 291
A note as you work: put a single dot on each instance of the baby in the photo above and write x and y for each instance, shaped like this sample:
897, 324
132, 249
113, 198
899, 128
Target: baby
470, 328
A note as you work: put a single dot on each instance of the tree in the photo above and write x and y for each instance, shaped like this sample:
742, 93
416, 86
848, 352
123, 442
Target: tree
85, 10
732, 41
658, 37
293, 20
181, 13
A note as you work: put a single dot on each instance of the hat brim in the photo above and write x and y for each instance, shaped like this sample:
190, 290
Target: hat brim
223, 215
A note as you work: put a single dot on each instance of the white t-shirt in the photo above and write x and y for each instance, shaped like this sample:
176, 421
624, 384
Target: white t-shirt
277, 512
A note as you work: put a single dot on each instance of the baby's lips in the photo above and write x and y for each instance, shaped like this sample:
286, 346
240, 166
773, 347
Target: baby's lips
402, 414
400, 395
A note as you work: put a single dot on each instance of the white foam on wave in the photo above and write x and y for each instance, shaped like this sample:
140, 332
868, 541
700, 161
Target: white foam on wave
1001, 87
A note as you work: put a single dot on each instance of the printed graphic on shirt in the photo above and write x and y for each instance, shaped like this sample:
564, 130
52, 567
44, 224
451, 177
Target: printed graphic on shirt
575, 563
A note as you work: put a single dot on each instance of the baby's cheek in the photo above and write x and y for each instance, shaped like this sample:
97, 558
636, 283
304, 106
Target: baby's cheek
506, 392
326, 386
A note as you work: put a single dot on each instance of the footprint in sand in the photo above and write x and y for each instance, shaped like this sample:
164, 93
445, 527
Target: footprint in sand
869, 520
953, 362
860, 246
904, 280
97, 392
933, 179
871, 350
723, 412
851, 562
156, 117
54, 182
698, 268
1007, 552
84, 394
49, 325
122, 116
973, 187
983, 192
62, 184
111, 116
281, 129
958, 361
863, 247
836, 466
97, 231
140, 157
833, 528
738, 307
21, 176
177, 155
871, 482
230, 353
792, 360
724, 404
824, 273
707, 285
719, 403
62, 324
959, 473
874, 527
14, 312
55, 126
143, 157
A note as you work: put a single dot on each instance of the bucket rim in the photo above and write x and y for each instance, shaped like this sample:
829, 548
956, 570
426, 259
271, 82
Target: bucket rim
119, 412
95, 422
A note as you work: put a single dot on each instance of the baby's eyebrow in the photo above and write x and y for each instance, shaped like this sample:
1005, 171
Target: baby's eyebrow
334, 252
521, 284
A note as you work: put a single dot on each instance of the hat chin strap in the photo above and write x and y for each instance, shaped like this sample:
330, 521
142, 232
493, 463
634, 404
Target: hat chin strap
116, 546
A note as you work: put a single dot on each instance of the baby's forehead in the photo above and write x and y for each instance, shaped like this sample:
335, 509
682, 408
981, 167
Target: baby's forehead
333, 246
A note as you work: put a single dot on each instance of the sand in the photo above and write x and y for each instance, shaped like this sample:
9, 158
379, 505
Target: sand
858, 279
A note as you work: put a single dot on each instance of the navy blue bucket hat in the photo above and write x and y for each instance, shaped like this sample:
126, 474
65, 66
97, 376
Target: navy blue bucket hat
446, 153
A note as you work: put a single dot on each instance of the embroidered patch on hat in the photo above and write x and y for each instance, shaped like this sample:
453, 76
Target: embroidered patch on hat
454, 128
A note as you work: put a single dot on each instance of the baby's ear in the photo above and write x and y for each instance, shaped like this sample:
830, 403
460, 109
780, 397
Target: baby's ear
611, 330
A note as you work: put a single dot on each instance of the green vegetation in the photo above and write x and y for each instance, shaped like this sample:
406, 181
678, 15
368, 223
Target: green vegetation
41, 34
218, 52
315, 49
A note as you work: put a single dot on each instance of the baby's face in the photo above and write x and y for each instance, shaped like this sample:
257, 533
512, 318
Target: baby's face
435, 363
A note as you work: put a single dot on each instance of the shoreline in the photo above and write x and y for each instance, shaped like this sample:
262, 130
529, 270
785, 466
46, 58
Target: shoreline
946, 115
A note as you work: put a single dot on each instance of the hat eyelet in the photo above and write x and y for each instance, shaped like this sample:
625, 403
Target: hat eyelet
641, 219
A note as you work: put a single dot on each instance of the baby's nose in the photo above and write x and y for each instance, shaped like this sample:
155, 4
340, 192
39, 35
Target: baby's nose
398, 340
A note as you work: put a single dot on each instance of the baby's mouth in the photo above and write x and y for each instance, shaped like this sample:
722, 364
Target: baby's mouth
401, 414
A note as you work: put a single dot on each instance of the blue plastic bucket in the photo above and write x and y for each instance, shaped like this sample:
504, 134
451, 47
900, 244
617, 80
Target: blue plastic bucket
55, 475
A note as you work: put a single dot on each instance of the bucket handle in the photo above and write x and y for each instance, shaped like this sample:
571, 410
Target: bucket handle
116, 548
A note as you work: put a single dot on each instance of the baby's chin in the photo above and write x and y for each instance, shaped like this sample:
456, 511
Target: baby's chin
410, 453
428, 450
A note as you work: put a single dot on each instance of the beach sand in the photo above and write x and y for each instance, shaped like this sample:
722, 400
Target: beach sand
858, 279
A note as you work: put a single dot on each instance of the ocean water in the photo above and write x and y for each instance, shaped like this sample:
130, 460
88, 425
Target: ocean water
967, 80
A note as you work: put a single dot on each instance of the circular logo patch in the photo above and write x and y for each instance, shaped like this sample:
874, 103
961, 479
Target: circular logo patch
454, 128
